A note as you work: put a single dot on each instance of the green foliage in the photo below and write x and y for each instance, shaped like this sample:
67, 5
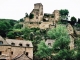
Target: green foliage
31, 16
78, 55
18, 26
73, 20
43, 50
11, 35
65, 55
21, 20
64, 12
26, 33
6, 25
59, 34
77, 44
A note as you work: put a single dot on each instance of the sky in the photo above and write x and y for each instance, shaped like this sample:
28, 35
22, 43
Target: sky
16, 9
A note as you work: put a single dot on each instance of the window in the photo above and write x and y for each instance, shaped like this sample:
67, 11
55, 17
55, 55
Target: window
11, 52
26, 53
1, 42
13, 44
27, 45
49, 44
31, 22
20, 44
36, 13
36, 17
0, 53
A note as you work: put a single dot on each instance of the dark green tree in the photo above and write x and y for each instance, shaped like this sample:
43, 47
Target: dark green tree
43, 51
64, 12
11, 35
31, 16
73, 20
21, 20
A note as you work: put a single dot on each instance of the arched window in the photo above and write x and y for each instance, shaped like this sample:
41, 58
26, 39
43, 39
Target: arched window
20, 44
13, 44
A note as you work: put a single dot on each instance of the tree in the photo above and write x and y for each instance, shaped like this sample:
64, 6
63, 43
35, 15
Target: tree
60, 34
73, 20
31, 16
65, 55
61, 45
79, 20
18, 26
43, 50
11, 35
21, 20
26, 33
64, 12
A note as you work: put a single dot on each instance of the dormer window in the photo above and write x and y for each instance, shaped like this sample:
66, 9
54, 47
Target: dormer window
20, 44
1, 42
27, 45
13, 44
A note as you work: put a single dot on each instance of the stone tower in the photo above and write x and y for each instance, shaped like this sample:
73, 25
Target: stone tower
56, 15
38, 12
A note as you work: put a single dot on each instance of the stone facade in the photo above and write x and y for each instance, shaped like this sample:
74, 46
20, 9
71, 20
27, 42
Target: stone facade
15, 48
38, 20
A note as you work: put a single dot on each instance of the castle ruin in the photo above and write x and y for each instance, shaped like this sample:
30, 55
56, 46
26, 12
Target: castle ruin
41, 20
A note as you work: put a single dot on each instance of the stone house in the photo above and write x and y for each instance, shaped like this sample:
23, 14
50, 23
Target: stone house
11, 49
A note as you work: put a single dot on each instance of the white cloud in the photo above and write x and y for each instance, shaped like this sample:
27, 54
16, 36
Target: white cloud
16, 9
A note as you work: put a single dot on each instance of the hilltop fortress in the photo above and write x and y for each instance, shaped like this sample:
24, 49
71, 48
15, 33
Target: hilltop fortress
41, 20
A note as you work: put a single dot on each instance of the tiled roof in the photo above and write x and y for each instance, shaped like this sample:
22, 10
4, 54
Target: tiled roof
22, 57
17, 42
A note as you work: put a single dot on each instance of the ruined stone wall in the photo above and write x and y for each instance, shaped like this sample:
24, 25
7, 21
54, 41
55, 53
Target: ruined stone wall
56, 15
